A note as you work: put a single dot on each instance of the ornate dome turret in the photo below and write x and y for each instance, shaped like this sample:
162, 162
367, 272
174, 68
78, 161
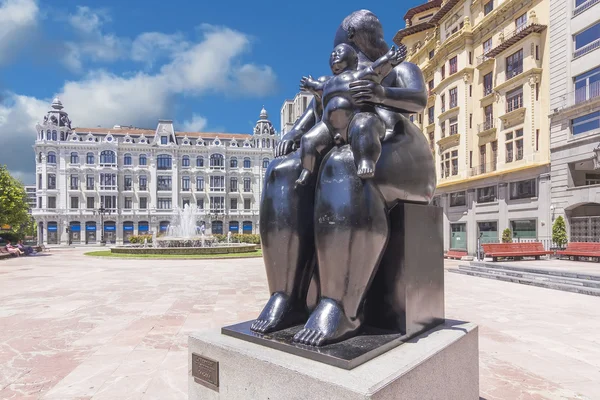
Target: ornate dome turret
56, 124
264, 132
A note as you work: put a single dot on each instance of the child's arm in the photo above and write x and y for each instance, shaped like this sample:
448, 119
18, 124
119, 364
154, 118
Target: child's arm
384, 64
313, 86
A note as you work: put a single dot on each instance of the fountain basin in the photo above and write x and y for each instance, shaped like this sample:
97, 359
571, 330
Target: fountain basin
221, 248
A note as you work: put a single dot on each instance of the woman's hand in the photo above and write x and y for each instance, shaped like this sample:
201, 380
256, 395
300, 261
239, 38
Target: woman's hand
284, 147
365, 91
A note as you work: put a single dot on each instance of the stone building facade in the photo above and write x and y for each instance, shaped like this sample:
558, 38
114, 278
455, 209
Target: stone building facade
293, 109
485, 64
122, 181
575, 116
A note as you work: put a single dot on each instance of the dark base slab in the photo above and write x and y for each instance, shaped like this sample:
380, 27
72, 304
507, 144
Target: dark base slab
347, 355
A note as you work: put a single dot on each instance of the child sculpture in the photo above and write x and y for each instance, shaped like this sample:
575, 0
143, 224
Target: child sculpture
340, 108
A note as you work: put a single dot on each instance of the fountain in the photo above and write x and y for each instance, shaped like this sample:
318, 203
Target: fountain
182, 238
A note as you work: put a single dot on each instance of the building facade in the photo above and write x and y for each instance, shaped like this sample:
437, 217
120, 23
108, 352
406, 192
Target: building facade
31, 196
123, 181
575, 116
293, 109
485, 64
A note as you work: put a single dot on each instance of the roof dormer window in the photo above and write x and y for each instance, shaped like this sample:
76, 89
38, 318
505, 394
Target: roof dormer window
164, 140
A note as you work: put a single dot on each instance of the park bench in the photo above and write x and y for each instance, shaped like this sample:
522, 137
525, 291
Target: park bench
455, 254
516, 251
4, 253
581, 249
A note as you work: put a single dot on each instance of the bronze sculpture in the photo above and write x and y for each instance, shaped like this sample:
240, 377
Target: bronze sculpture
334, 230
342, 113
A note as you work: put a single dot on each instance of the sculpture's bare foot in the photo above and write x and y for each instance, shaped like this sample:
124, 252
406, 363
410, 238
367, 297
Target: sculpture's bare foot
366, 169
327, 324
304, 177
277, 314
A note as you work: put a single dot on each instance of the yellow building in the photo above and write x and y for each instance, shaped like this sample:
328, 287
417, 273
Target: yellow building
486, 66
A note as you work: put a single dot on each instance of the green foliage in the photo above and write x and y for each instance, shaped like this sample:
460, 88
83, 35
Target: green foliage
507, 236
13, 200
250, 238
14, 237
559, 232
139, 239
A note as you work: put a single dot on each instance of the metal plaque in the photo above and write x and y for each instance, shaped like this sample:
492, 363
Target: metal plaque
205, 371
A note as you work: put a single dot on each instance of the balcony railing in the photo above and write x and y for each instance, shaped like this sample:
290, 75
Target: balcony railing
487, 125
453, 130
487, 90
581, 95
585, 6
515, 35
482, 59
587, 48
484, 168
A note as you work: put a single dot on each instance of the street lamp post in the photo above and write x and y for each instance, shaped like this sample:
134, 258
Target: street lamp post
102, 211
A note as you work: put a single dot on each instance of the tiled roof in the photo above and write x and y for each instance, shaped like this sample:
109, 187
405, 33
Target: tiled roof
411, 30
150, 132
420, 8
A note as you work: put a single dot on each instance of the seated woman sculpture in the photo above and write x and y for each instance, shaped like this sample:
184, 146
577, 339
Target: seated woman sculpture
334, 230
340, 108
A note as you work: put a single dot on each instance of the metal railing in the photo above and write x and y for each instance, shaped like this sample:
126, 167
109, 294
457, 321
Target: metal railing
514, 72
483, 168
587, 48
582, 95
585, 6
487, 90
487, 125
482, 59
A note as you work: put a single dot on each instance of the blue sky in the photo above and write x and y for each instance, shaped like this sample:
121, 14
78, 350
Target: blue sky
209, 66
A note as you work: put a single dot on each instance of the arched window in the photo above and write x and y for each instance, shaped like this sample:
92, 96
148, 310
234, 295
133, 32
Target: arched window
216, 161
233, 162
53, 135
143, 159
48, 135
164, 161
51, 157
74, 158
247, 163
108, 157
265, 162
40, 157
185, 161
127, 159
62, 136
199, 161
89, 158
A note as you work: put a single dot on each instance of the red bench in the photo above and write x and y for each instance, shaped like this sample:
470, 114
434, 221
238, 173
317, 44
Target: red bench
515, 251
455, 254
581, 249
4, 253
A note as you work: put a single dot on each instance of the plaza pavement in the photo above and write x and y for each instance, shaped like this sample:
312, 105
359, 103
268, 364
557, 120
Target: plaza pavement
76, 327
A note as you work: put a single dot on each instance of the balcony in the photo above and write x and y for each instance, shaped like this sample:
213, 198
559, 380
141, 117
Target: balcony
486, 128
581, 96
484, 60
585, 6
514, 36
143, 188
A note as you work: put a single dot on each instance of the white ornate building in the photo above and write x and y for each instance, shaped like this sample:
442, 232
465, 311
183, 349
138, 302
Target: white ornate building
127, 181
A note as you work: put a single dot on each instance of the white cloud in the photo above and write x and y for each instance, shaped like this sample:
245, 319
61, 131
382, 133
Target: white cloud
92, 43
17, 20
103, 98
150, 46
196, 124
17, 134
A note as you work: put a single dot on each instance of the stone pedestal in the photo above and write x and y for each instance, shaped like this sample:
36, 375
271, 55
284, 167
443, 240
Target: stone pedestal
442, 363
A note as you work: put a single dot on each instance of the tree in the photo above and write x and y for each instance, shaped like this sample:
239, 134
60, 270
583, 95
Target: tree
507, 236
13, 201
559, 232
